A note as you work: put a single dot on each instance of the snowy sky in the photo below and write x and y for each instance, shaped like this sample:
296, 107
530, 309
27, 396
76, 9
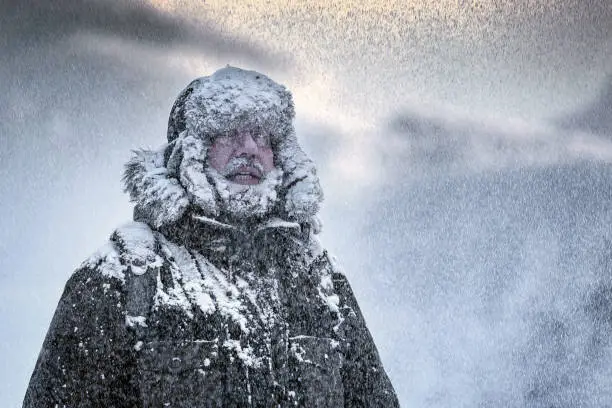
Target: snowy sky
464, 148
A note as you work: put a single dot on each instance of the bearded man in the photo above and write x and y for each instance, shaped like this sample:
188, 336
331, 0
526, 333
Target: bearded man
218, 294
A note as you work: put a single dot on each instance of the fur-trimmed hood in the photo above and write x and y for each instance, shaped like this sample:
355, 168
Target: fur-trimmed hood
167, 183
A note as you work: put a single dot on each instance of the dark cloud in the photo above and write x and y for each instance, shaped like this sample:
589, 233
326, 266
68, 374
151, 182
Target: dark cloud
32, 23
431, 141
441, 144
596, 117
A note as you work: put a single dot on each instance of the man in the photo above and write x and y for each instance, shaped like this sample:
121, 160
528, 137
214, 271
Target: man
218, 294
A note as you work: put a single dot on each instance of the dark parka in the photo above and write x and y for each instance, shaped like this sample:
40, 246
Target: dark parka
184, 309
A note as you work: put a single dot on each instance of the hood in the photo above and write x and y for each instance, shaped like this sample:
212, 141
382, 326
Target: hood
165, 184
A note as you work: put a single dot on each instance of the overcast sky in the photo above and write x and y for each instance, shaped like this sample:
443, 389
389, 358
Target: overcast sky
464, 148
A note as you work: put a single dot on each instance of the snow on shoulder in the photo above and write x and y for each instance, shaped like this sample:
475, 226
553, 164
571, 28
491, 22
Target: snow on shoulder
131, 248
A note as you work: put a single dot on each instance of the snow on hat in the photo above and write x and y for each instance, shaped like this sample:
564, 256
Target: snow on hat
229, 97
165, 183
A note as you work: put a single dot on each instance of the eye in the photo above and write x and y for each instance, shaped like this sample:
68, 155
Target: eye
261, 137
224, 138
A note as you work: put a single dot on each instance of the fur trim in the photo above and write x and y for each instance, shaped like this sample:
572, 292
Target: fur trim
165, 183
160, 199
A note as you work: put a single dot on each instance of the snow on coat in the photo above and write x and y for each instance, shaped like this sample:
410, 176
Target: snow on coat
183, 309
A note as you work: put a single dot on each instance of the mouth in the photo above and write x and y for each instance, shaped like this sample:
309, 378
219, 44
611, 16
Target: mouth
246, 175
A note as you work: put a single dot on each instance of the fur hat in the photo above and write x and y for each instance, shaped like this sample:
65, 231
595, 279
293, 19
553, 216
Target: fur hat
167, 182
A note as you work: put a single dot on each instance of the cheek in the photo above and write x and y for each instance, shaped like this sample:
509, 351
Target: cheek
267, 159
218, 156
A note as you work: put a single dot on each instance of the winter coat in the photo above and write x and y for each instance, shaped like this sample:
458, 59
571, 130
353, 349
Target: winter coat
209, 315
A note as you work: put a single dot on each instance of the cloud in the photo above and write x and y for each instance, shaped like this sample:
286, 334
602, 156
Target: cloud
497, 283
422, 144
486, 240
33, 23
595, 117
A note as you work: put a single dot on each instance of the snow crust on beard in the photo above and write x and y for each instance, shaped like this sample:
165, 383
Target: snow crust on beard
246, 201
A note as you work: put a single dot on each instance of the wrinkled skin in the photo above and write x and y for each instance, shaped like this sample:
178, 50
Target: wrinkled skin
254, 147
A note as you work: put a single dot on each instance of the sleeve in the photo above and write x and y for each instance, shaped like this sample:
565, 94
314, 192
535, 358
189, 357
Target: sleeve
365, 381
85, 359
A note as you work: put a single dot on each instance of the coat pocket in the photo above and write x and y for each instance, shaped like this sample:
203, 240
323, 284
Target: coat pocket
181, 374
314, 366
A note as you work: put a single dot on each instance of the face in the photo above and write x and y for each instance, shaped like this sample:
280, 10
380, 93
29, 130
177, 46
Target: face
243, 156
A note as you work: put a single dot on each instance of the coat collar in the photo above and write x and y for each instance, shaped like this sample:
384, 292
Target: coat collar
223, 242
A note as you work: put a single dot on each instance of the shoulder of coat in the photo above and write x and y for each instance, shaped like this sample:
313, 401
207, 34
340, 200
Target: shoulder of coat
334, 267
132, 248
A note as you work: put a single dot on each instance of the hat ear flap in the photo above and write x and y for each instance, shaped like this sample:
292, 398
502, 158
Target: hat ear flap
160, 199
173, 156
192, 175
302, 190
177, 122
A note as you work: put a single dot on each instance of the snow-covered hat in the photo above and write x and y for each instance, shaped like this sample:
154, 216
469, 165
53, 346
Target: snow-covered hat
230, 97
165, 183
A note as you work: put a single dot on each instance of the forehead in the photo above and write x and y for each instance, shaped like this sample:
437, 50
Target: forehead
253, 128
222, 125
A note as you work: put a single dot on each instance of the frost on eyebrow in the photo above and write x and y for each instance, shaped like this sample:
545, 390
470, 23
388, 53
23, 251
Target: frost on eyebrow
227, 137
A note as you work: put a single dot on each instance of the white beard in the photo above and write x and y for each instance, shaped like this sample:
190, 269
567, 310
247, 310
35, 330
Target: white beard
242, 202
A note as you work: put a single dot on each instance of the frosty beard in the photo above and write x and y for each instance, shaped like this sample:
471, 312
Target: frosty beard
243, 202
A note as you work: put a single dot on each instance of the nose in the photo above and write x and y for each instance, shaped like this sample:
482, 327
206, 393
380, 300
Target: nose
246, 144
